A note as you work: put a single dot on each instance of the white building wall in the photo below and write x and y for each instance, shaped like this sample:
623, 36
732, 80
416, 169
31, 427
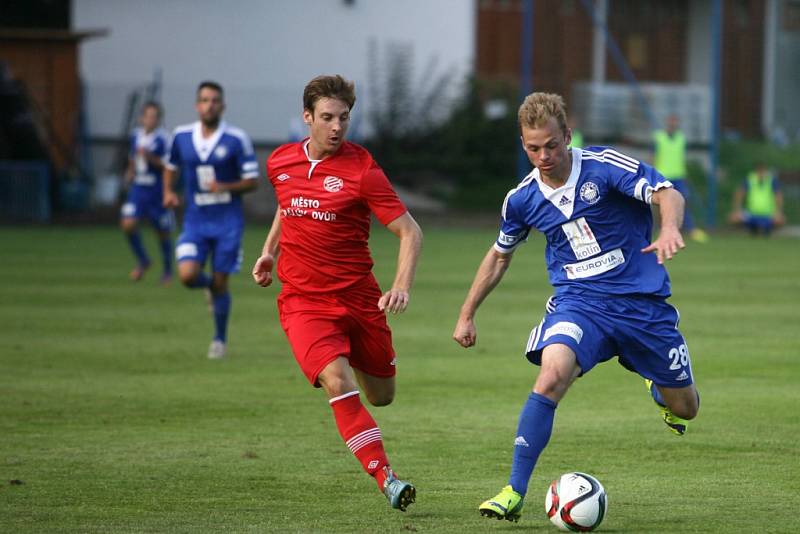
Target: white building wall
262, 51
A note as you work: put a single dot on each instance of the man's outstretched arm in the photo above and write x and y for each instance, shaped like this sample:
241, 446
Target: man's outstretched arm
490, 272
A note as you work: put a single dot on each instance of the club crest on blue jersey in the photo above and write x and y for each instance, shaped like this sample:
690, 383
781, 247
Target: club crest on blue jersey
221, 151
590, 193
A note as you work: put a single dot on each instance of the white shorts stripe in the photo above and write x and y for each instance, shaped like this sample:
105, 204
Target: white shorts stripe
534, 337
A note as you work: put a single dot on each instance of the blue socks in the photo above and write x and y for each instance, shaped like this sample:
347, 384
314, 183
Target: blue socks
222, 307
166, 253
221, 304
657, 395
202, 280
135, 241
533, 433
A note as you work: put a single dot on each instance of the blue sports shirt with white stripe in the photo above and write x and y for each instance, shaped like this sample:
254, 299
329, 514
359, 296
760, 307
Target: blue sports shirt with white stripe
595, 225
226, 156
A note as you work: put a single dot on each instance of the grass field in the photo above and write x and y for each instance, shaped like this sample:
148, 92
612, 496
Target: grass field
113, 419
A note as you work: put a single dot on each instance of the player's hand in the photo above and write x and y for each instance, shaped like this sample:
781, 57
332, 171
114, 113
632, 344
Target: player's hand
171, 199
465, 333
262, 270
216, 187
669, 243
394, 300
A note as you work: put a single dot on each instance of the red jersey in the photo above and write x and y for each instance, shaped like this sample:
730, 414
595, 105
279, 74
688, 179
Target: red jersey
325, 208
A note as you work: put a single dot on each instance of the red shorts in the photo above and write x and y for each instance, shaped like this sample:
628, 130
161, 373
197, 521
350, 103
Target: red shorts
323, 327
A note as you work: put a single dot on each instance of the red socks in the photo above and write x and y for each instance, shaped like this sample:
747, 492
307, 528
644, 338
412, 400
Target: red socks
361, 434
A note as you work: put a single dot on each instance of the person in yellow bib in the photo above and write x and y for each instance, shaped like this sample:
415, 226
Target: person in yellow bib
577, 135
669, 158
758, 202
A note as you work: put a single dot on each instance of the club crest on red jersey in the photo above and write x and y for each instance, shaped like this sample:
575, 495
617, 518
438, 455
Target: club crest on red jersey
333, 184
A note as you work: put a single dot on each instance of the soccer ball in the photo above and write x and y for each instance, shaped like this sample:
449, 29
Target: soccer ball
576, 502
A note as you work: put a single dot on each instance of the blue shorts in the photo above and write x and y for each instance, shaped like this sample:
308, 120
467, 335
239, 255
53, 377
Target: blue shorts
641, 330
223, 242
759, 223
139, 206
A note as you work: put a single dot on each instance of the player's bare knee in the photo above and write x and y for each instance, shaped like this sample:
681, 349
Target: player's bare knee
381, 394
551, 384
187, 278
336, 386
381, 399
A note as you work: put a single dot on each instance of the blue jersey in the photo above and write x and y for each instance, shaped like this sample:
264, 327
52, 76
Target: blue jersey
147, 185
226, 156
595, 224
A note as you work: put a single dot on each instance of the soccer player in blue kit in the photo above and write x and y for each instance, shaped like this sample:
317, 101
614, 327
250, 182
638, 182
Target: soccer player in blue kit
218, 165
593, 207
148, 144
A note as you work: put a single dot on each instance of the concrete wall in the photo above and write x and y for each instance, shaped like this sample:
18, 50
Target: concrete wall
262, 51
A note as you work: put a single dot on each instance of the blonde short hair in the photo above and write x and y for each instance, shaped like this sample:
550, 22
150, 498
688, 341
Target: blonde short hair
538, 108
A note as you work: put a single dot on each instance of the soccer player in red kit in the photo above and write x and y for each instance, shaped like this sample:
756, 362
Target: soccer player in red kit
330, 305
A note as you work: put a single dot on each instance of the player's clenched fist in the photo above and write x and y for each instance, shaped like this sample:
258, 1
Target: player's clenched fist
262, 270
465, 333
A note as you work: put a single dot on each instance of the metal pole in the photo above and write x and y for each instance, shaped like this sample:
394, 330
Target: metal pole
525, 74
716, 75
599, 43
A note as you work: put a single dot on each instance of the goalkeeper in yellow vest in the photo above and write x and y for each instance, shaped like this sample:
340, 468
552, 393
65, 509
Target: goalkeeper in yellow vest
758, 202
669, 158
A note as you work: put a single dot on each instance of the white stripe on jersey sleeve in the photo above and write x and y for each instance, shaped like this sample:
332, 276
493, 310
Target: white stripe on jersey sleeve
621, 156
613, 157
247, 145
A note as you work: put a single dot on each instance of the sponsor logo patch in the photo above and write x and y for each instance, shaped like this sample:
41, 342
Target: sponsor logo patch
595, 266
581, 238
683, 376
566, 329
283, 177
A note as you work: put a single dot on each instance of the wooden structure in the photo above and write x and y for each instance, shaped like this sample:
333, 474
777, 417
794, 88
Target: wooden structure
46, 62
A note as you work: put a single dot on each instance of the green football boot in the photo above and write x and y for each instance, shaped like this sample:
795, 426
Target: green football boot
676, 425
505, 505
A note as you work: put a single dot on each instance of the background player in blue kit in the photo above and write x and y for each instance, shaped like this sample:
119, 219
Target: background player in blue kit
148, 145
593, 206
217, 164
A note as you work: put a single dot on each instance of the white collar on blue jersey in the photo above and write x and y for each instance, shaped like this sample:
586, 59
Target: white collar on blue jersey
202, 146
565, 191
144, 139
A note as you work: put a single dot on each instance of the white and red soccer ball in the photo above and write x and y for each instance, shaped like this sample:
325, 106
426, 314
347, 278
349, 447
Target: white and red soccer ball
576, 502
